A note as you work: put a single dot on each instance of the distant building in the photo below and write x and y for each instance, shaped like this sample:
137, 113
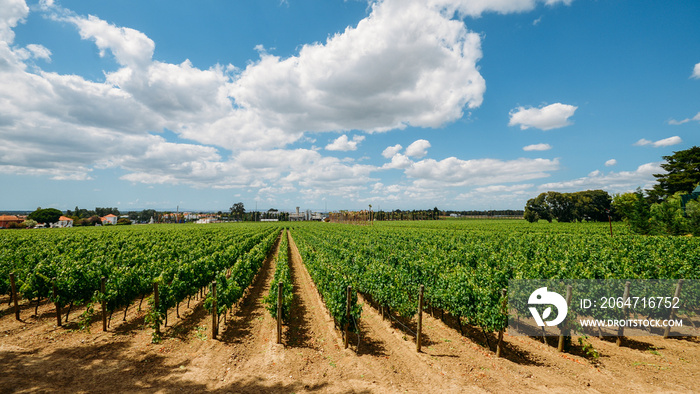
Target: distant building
63, 221
5, 220
109, 219
295, 217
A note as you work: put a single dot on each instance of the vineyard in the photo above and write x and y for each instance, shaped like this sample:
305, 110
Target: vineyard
218, 279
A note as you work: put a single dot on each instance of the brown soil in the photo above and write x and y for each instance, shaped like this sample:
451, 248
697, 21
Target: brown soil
38, 356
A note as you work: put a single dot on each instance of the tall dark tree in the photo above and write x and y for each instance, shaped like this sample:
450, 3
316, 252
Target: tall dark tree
238, 210
682, 174
47, 215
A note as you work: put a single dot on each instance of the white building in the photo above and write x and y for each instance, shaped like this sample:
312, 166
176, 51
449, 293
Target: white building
63, 222
109, 219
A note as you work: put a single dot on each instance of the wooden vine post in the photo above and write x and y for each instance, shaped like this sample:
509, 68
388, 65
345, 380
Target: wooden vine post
14, 294
104, 304
621, 329
279, 312
420, 318
214, 315
499, 346
564, 330
347, 316
672, 314
55, 297
155, 306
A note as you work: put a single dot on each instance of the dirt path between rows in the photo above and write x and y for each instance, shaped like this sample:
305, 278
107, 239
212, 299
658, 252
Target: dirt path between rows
37, 356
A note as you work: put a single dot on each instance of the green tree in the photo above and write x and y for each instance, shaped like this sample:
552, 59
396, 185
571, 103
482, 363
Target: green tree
537, 208
692, 209
639, 221
238, 210
623, 206
46, 215
682, 174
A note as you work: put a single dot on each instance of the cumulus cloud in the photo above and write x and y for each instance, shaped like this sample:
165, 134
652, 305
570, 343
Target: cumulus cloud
675, 140
696, 71
546, 118
406, 64
343, 144
398, 161
613, 182
418, 149
456, 172
610, 163
130, 47
390, 151
11, 13
537, 147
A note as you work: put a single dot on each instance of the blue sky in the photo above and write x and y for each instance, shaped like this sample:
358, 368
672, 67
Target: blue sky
459, 104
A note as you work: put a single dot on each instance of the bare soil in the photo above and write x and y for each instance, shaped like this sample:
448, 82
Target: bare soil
38, 356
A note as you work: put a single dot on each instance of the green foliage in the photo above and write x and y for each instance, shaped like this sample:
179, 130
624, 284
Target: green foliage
282, 275
46, 215
692, 210
641, 215
623, 206
591, 353
667, 216
589, 205
682, 174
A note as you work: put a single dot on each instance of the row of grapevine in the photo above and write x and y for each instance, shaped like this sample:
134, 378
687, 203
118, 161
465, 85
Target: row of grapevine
282, 275
232, 282
464, 266
332, 278
182, 259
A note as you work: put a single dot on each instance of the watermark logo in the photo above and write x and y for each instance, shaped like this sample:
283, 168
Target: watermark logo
543, 297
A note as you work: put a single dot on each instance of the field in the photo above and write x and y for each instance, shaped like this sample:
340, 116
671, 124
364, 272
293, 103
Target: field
463, 265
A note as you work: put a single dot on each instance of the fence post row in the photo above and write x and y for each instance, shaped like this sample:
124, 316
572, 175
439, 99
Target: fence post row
347, 316
104, 304
564, 331
499, 346
155, 305
672, 313
14, 294
55, 297
621, 329
214, 315
420, 318
279, 312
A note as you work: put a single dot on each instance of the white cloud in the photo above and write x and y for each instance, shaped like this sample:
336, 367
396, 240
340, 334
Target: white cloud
408, 63
405, 64
613, 182
390, 151
546, 118
680, 122
398, 161
343, 144
418, 149
610, 163
478, 7
456, 172
12, 12
130, 47
537, 147
696, 71
675, 140
39, 52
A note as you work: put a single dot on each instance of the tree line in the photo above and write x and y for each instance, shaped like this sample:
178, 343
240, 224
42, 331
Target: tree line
671, 206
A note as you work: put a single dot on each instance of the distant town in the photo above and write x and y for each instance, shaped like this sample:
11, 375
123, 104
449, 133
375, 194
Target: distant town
54, 218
